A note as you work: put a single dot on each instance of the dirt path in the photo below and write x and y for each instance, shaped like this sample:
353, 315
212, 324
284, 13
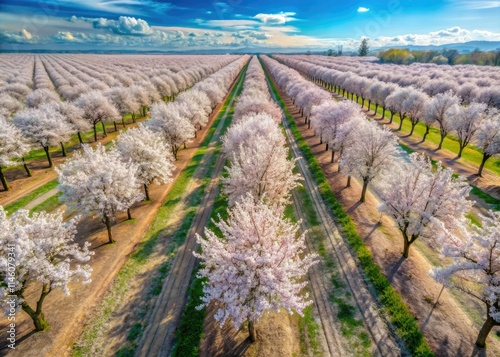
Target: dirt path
381, 335
444, 322
165, 316
41, 199
68, 315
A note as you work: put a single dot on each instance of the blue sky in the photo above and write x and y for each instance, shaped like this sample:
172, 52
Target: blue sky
255, 24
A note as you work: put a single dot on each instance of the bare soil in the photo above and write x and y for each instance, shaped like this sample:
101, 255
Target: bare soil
67, 315
277, 336
447, 328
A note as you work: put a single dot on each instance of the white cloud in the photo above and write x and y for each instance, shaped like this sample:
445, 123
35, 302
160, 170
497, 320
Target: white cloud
363, 9
135, 7
263, 30
23, 36
26, 34
230, 24
479, 5
123, 26
451, 35
276, 19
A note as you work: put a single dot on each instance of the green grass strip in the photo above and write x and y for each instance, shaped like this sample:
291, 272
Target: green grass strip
190, 330
405, 323
23, 201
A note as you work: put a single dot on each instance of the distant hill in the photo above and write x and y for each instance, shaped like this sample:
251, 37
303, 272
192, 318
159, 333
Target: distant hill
461, 47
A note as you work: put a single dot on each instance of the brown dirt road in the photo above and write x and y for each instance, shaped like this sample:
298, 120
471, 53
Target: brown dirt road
165, 316
384, 341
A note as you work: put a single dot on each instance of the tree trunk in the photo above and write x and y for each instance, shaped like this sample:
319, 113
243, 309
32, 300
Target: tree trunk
413, 125
80, 137
363, 103
392, 116
107, 221
441, 141
175, 149
383, 112
129, 214
369, 103
376, 108
114, 123
401, 117
406, 247
63, 150
363, 192
37, 316
46, 148
133, 117
326, 149
4, 180
309, 124
123, 121
251, 331
333, 156
483, 161
427, 128
146, 191
104, 129
95, 132
348, 181
26, 168
485, 330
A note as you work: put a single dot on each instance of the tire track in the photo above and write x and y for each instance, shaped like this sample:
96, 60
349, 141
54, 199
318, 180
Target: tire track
159, 333
330, 327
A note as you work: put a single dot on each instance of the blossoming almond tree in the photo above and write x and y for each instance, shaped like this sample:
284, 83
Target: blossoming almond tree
148, 151
12, 146
475, 262
368, 154
435, 111
416, 196
261, 166
488, 137
97, 108
98, 181
257, 265
465, 122
74, 116
44, 126
167, 120
41, 248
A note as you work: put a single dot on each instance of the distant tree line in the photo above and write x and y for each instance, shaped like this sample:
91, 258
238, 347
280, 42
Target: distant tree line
445, 56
